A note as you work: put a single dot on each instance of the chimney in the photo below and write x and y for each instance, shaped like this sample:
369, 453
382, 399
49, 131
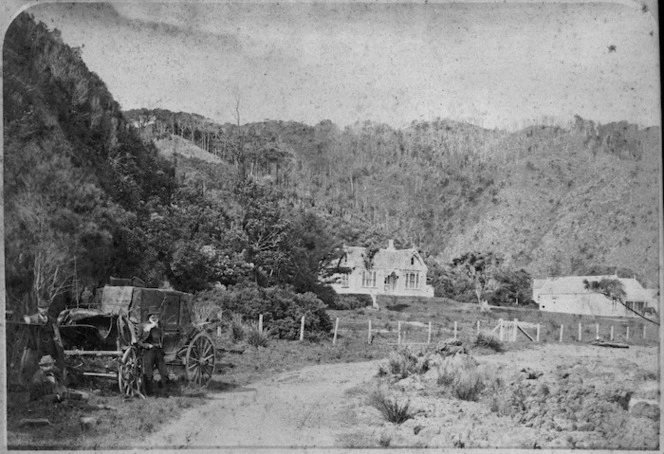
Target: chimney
390, 244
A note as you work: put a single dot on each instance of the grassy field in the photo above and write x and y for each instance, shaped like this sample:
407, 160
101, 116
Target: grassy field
120, 421
415, 314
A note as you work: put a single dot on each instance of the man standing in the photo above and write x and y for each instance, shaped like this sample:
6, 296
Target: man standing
152, 341
44, 340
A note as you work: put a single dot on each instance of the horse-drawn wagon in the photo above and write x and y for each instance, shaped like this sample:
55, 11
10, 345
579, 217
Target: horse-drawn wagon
108, 333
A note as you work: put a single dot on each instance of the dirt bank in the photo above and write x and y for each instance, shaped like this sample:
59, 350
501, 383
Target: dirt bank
583, 397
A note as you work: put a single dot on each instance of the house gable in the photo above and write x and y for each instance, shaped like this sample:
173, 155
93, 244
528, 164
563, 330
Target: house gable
387, 271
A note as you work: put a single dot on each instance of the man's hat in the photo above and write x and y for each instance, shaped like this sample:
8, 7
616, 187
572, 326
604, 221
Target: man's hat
46, 361
43, 304
153, 310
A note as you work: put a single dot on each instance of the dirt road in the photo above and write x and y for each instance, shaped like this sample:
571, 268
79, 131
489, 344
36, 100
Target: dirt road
314, 408
296, 409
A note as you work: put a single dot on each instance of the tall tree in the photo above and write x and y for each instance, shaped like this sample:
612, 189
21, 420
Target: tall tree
479, 267
614, 290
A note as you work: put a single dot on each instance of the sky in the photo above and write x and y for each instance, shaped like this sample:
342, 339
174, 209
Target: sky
501, 65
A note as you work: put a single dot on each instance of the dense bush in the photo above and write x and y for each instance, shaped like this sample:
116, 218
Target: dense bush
282, 308
349, 302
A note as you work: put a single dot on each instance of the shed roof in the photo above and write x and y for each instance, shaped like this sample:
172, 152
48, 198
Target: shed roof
574, 284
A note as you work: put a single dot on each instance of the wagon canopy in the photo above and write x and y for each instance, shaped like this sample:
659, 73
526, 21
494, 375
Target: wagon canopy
136, 301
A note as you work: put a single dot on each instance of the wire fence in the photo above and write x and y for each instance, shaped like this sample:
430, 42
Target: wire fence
403, 332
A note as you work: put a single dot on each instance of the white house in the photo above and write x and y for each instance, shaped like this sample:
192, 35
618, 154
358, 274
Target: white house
568, 295
397, 272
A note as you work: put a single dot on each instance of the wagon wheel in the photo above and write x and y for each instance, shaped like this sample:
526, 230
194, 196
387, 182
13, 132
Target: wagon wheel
200, 360
130, 373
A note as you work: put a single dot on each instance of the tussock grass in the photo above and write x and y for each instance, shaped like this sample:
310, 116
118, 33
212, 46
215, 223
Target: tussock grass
390, 408
255, 337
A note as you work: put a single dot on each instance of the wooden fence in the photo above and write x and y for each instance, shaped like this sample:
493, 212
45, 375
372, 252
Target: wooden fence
401, 332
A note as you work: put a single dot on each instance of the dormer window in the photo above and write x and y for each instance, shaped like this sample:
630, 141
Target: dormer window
412, 260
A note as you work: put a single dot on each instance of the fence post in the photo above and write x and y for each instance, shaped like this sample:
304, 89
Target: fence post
611, 332
260, 323
478, 327
429, 335
369, 335
580, 332
221, 313
500, 330
399, 333
596, 330
644, 331
627, 334
516, 323
538, 332
336, 328
561, 333
302, 329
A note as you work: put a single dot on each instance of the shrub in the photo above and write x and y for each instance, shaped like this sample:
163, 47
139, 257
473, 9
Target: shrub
489, 341
237, 328
403, 363
349, 302
391, 409
462, 378
468, 385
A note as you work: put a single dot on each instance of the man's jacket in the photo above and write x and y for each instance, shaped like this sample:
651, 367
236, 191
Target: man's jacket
151, 334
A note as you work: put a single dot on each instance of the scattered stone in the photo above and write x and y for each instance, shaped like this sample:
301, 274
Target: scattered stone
37, 422
531, 374
646, 410
585, 427
411, 383
417, 429
105, 407
88, 422
449, 347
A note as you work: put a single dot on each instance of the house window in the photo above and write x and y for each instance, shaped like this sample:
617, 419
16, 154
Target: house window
344, 280
412, 260
368, 279
412, 280
638, 306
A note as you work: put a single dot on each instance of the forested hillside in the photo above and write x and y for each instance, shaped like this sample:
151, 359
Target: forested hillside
175, 199
86, 197
551, 200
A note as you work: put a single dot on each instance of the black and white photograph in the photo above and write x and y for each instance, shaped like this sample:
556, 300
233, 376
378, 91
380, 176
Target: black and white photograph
333, 226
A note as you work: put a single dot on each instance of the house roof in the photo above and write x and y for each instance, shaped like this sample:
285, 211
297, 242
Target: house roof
574, 284
388, 258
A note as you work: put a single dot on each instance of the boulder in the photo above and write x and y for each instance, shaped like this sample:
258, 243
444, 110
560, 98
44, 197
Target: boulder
36, 422
645, 410
411, 383
88, 422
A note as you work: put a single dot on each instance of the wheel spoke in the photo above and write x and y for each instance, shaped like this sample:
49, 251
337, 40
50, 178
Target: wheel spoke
207, 358
208, 347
